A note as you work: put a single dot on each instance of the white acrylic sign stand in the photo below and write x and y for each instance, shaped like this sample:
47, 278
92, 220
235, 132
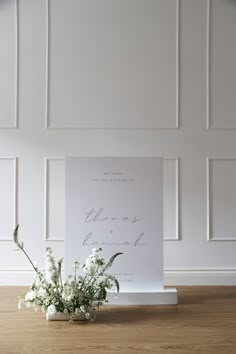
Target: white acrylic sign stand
116, 203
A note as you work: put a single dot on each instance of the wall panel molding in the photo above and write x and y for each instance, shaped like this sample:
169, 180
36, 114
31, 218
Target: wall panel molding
210, 235
8, 235
208, 124
16, 123
176, 235
199, 276
209, 120
15, 84
106, 126
47, 61
175, 276
177, 66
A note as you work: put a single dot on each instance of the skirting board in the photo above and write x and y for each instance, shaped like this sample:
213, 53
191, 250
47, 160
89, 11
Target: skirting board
161, 297
172, 277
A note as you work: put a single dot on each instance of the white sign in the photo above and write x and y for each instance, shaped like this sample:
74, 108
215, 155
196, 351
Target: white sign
116, 203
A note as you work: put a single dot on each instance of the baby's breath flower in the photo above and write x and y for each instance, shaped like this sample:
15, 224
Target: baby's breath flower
60, 260
20, 303
76, 265
87, 315
51, 309
30, 296
82, 309
77, 311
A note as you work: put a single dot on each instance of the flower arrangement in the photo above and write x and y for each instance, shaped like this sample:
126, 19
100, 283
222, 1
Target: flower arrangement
79, 295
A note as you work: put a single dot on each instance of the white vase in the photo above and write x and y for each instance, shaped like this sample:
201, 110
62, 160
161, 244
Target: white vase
61, 316
57, 316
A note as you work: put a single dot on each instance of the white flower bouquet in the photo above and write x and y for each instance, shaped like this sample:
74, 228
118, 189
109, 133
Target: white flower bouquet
78, 296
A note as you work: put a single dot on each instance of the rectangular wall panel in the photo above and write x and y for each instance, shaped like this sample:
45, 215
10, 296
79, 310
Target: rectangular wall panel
171, 199
8, 63
55, 199
112, 64
221, 173
221, 64
8, 197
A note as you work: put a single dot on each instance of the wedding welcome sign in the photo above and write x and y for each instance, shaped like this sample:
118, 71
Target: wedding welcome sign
116, 203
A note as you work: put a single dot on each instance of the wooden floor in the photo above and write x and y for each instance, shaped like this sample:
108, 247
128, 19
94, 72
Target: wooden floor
203, 322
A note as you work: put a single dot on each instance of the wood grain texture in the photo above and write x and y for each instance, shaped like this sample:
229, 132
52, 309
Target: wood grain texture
203, 322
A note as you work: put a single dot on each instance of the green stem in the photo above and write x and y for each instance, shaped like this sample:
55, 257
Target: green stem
22, 249
59, 271
61, 281
91, 278
83, 281
75, 273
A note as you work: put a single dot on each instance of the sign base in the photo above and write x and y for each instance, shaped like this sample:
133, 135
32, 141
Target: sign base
164, 296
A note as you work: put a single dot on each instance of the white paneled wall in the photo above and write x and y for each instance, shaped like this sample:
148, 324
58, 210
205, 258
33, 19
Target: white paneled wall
55, 199
105, 55
171, 199
8, 63
221, 199
8, 194
221, 66
120, 78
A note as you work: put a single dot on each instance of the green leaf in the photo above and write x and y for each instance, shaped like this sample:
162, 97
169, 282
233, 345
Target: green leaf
116, 284
111, 260
15, 234
109, 263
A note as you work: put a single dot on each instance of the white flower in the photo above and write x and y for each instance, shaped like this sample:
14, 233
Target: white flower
60, 260
75, 265
42, 292
77, 311
20, 303
51, 270
51, 310
90, 263
87, 316
30, 296
82, 309
48, 251
69, 297
65, 311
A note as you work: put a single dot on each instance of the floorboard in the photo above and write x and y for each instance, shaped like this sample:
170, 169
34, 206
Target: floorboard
203, 322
